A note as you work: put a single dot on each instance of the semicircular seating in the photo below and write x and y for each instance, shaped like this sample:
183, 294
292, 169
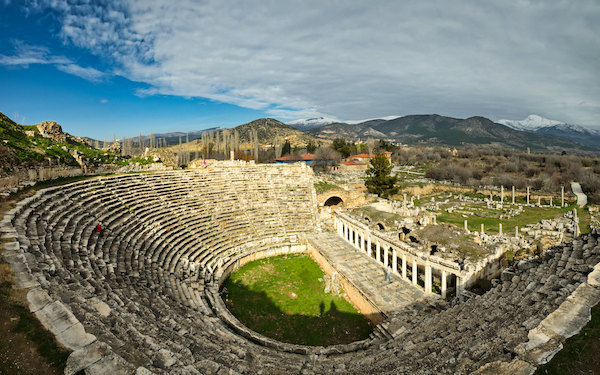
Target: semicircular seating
141, 287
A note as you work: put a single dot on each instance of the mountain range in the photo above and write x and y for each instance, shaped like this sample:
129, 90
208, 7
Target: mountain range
540, 125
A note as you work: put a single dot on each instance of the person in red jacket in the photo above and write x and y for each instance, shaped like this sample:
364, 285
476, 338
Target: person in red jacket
99, 229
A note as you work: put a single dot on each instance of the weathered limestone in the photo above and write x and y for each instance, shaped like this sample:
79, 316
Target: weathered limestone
143, 297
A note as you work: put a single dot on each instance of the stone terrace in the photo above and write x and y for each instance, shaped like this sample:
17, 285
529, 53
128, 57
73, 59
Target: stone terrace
139, 299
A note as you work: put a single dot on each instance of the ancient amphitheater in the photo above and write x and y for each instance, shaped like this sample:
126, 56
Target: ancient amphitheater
144, 296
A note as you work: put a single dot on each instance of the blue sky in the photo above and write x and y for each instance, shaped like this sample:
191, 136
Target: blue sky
122, 67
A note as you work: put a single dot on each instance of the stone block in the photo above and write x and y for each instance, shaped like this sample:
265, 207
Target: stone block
38, 299
515, 367
594, 276
75, 337
112, 364
86, 356
586, 295
568, 319
55, 317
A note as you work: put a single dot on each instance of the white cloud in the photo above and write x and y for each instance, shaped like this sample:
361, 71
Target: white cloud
27, 55
103, 101
356, 59
90, 74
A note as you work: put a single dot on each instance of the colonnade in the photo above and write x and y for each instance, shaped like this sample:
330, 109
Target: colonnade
399, 256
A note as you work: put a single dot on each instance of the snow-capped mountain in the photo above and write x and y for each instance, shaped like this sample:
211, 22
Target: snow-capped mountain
386, 118
540, 125
531, 123
311, 123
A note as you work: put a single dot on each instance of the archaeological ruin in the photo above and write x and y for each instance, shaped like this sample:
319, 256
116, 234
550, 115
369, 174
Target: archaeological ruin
143, 296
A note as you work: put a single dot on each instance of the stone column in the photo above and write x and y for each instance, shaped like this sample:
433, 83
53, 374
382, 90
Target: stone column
443, 284
562, 195
377, 249
501, 195
539, 202
499, 229
550, 201
491, 197
527, 194
404, 266
369, 250
459, 286
385, 256
362, 242
466, 227
513, 195
414, 271
482, 231
434, 220
404, 205
394, 261
428, 281
517, 232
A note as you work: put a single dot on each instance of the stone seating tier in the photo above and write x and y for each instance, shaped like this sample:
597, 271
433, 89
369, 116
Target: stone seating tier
146, 288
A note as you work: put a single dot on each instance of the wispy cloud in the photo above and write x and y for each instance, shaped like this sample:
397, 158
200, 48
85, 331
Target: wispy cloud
90, 74
26, 55
355, 59
103, 101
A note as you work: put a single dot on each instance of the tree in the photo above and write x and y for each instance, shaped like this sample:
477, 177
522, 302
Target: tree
311, 147
325, 158
344, 148
379, 179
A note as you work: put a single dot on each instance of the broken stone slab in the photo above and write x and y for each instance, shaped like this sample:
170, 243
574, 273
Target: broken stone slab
541, 354
86, 356
568, 319
143, 371
24, 280
165, 359
111, 364
75, 337
56, 317
515, 367
586, 295
38, 299
594, 276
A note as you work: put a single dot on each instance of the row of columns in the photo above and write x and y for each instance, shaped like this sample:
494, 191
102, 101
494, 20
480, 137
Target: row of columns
352, 235
562, 196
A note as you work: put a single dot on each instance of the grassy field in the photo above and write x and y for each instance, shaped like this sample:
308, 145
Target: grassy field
283, 298
489, 218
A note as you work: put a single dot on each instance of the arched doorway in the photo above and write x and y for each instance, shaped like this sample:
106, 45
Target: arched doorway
333, 201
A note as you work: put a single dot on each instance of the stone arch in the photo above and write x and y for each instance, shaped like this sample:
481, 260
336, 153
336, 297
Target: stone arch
334, 200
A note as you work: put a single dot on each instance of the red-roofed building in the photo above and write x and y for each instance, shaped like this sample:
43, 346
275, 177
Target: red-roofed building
365, 158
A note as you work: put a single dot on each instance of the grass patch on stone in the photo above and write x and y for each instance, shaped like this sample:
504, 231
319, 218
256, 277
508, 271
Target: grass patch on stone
580, 352
323, 186
283, 298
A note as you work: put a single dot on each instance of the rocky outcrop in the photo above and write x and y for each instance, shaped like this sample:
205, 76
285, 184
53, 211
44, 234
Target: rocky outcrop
51, 130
